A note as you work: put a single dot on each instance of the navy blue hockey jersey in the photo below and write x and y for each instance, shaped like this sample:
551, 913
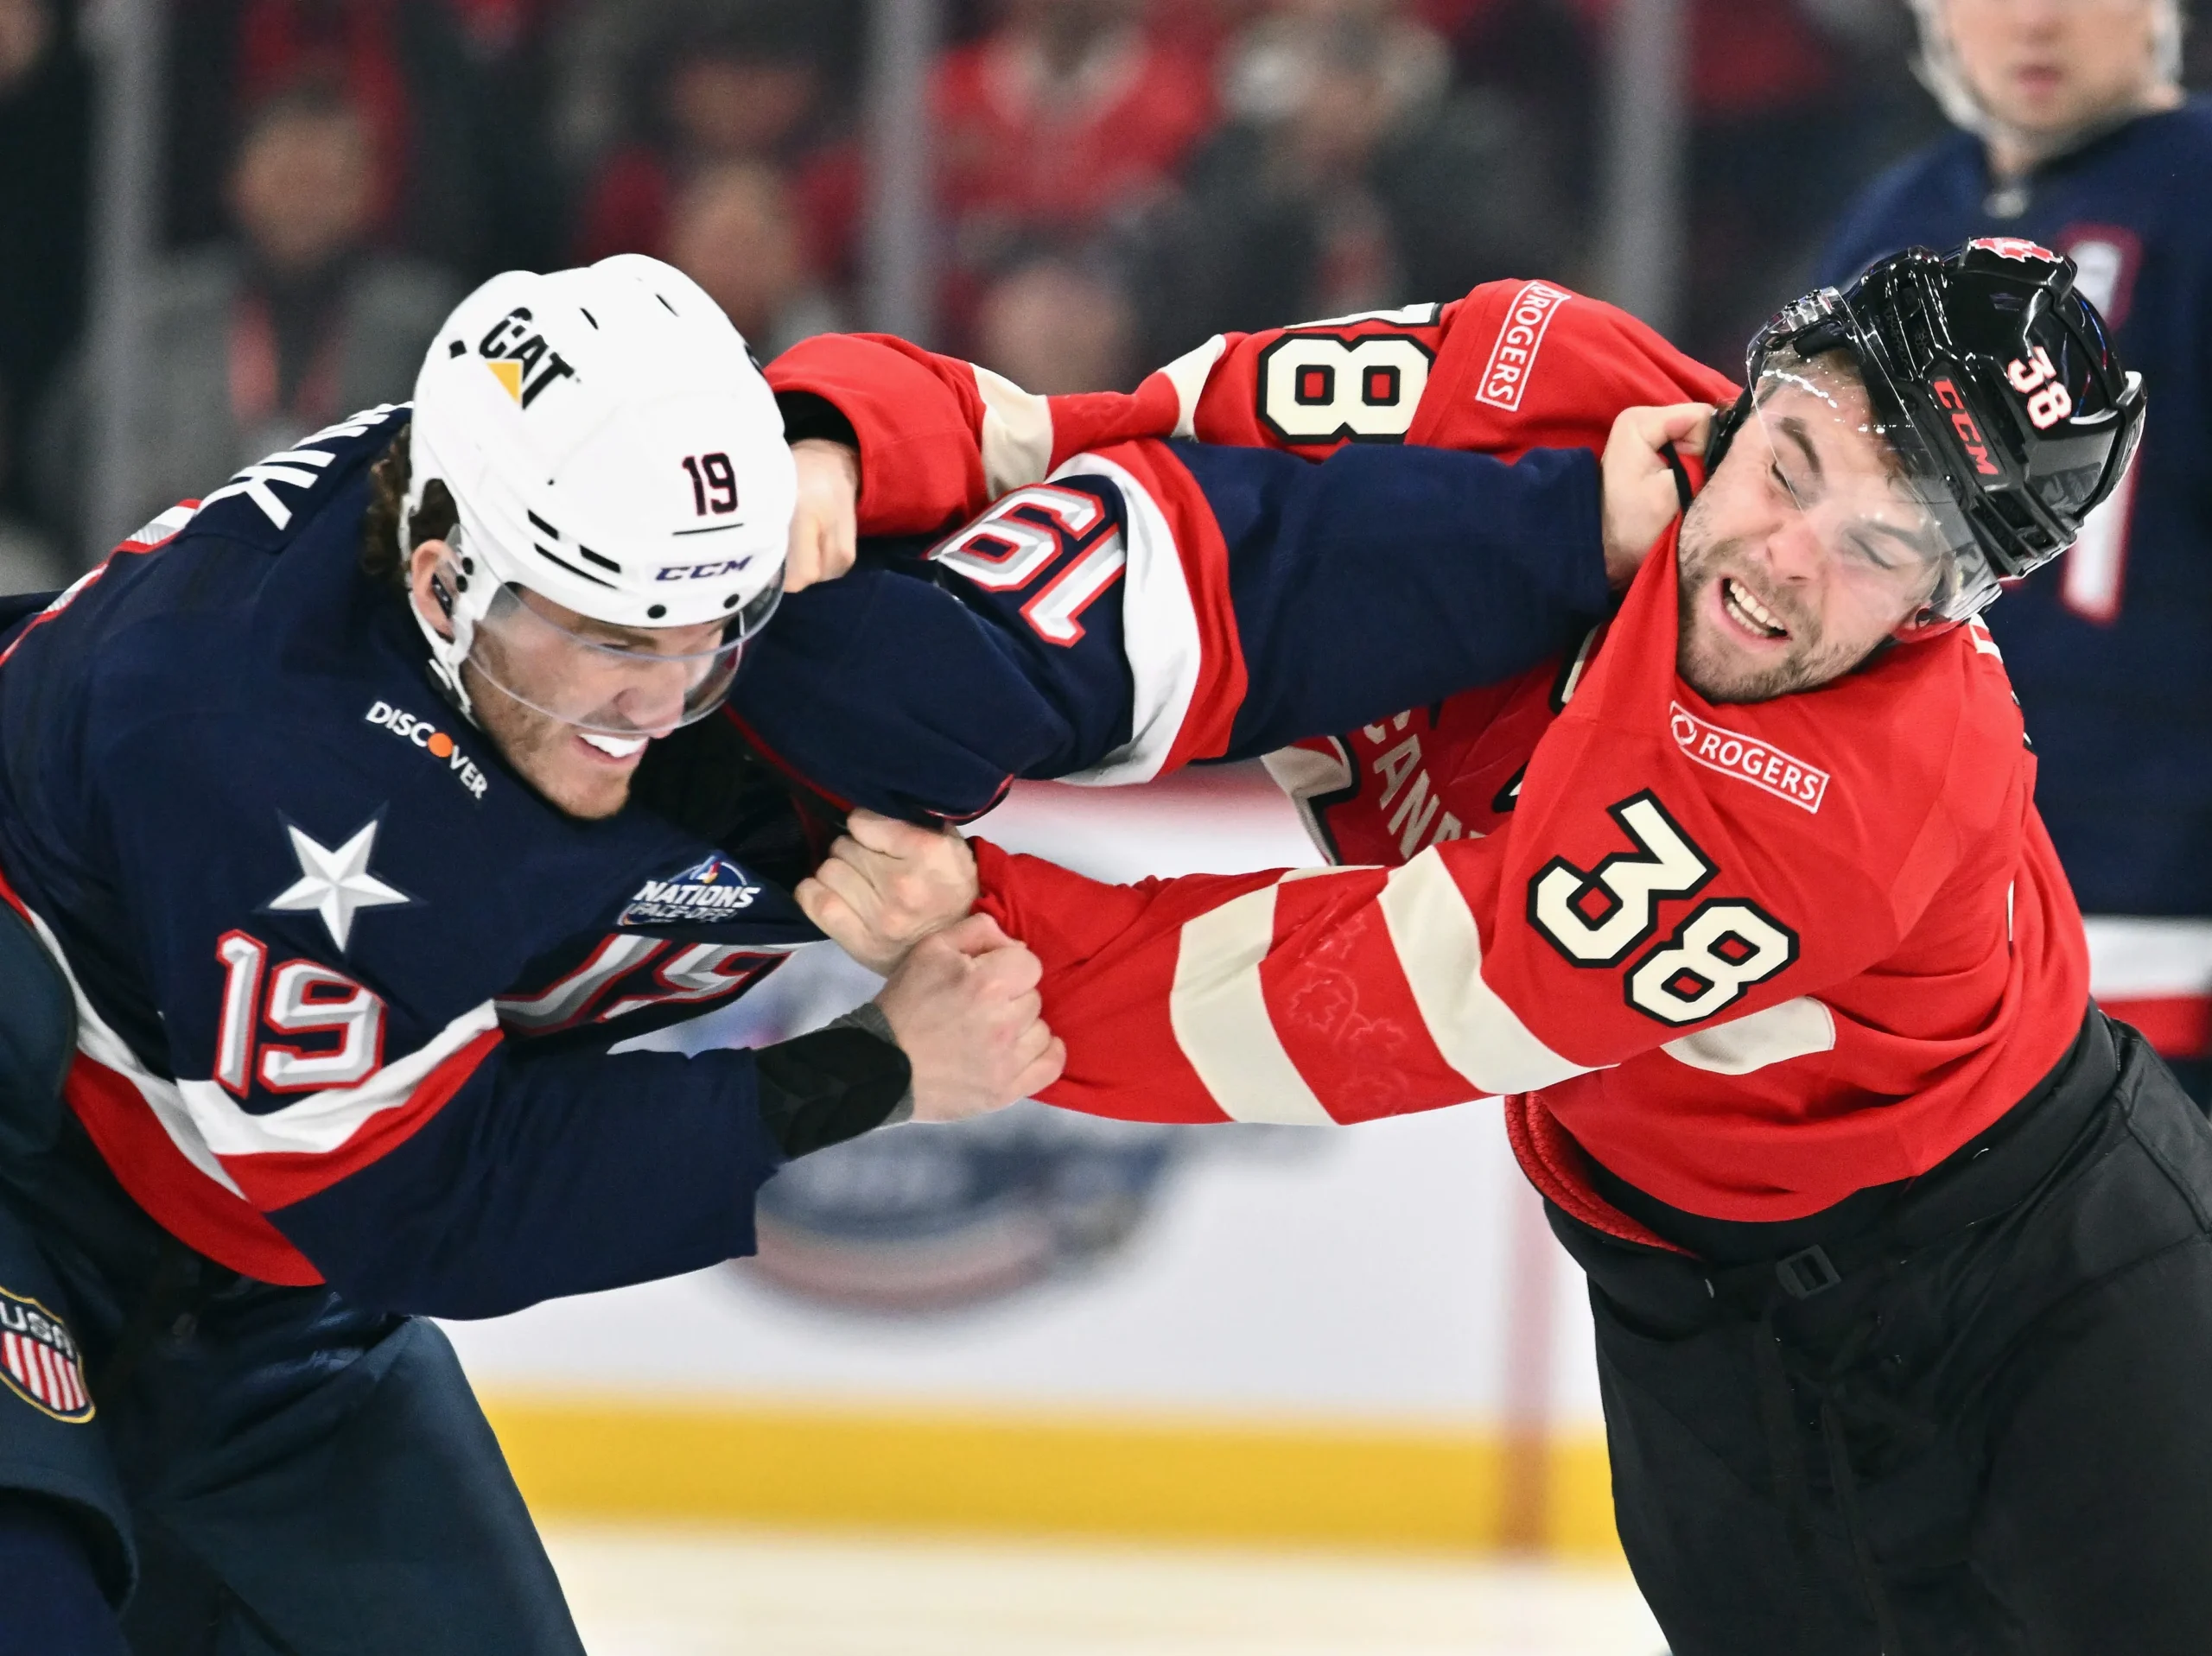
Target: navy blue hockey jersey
319, 932
346, 984
1153, 603
2110, 647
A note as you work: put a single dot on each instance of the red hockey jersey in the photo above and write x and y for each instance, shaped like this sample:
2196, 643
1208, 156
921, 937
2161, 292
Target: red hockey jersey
1752, 958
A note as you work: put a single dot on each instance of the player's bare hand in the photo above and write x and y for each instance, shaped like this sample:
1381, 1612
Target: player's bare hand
1640, 496
825, 521
964, 1006
886, 886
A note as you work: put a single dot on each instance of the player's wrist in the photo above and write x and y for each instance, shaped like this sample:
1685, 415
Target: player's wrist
847, 1078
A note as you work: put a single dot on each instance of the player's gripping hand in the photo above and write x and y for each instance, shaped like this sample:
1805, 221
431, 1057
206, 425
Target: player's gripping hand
886, 886
1641, 497
825, 521
964, 1006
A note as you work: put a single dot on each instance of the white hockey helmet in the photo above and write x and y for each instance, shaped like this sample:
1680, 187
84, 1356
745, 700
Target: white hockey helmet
610, 447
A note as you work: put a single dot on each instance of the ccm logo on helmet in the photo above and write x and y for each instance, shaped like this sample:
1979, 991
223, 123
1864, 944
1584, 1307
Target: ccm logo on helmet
701, 571
1962, 423
519, 358
432, 740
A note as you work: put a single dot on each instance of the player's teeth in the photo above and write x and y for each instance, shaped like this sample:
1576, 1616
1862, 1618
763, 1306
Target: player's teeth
614, 746
1753, 610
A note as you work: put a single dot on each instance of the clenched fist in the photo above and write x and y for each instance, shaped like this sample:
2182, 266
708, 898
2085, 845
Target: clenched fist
1640, 495
825, 518
886, 886
964, 1007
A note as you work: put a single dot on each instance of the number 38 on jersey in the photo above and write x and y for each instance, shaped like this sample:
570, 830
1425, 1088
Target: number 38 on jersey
1599, 917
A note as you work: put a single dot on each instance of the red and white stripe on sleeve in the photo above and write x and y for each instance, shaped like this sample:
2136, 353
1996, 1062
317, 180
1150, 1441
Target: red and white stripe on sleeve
1315, 996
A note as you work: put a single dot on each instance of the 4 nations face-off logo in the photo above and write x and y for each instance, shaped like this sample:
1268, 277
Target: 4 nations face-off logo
39, 1359
716, 889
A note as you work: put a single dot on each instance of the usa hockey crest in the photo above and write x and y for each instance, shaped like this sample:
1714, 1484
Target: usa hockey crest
714, 889
39, 1359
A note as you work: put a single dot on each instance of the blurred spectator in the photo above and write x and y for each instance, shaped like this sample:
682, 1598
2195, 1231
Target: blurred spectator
734, 232
45, 145
608, 56
1540, 56
1352, 177
725, 81
1067, 115
2074, 134
1051, 325
29, 560
458, 170
250, 345
499, 30
1777, 138
1199, 28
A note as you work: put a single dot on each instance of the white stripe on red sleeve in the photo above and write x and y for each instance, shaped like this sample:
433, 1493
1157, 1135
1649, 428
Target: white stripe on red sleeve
1793, 1029
1188, 374
1218, 1011
1440, 950
1016, 441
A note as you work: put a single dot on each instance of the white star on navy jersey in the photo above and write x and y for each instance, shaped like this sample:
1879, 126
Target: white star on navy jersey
336, 885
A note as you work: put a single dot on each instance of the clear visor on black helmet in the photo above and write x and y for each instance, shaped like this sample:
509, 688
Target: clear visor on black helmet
626, 683
1863, 488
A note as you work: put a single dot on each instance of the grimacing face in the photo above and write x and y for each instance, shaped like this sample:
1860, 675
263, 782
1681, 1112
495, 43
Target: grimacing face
1801, 554
582, 773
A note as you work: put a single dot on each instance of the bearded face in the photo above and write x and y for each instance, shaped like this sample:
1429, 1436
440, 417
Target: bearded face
1801, 555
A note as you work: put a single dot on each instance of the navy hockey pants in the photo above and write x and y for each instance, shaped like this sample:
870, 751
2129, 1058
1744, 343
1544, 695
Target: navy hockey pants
1966, 1415
259, 1470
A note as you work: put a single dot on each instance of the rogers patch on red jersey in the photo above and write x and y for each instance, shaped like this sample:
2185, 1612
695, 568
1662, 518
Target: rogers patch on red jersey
1513, 357
39, 1359
1761, 763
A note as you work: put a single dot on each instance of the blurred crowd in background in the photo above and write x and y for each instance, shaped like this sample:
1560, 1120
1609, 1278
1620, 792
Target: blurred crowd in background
1116, 180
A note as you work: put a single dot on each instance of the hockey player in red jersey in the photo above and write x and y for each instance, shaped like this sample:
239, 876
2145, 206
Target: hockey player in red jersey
1901, 1253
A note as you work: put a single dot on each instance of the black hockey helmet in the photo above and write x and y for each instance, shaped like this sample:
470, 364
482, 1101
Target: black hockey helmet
1996, 387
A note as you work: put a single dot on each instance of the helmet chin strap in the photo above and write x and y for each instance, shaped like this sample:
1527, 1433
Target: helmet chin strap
1726, 422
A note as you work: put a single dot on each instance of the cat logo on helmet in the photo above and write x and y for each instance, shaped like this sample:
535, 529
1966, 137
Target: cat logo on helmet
513, 350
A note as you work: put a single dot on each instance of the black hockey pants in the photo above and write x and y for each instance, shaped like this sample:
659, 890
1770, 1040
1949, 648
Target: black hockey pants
1966, 1415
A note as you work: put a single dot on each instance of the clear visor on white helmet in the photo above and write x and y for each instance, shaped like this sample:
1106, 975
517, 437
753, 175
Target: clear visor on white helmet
1880, 510
621, 682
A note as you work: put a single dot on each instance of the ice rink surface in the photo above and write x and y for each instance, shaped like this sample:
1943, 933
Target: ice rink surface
700, 1592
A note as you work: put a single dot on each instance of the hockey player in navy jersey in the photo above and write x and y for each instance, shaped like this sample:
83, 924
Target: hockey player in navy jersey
348, 816
313, 824
2075, 133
